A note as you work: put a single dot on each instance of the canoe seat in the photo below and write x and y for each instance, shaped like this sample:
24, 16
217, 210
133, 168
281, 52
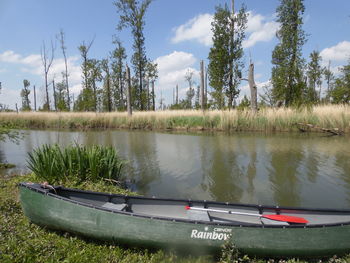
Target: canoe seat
112, 206
198, 215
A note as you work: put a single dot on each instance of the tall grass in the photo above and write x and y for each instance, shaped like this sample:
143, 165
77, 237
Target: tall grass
267, 119
75, 163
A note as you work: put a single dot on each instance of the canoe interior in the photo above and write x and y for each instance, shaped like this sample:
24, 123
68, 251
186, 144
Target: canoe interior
171, 209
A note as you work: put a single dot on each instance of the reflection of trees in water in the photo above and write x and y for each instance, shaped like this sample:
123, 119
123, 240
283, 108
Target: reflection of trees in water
284, 175
342, 162
312, 165
2, 155
223, 170
251, 170
143, 164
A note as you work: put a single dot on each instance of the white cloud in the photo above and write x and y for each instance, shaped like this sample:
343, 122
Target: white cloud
32, 64
337, 53
197, 29
174, 61
259, 29
9, 56
172, 69
9, 97
255, 22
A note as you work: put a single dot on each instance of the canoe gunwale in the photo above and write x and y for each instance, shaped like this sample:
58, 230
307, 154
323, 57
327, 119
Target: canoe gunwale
189, 201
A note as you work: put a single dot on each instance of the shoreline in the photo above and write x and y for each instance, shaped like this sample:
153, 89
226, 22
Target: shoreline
328, 118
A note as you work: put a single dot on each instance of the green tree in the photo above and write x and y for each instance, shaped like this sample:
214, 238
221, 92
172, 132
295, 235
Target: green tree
107, 94
341, 91
314, 76
244, 104
132, 15
95, 75
61, 95
91, 70
25, 96
287, 71
225, 57
118, 57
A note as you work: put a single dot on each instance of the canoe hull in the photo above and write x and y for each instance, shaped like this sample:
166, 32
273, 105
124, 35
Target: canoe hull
122, 228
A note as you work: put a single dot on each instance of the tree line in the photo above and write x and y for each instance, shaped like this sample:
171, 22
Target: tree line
294, 80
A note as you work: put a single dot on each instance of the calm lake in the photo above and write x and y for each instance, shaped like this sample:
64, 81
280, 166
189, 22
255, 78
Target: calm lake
284, 169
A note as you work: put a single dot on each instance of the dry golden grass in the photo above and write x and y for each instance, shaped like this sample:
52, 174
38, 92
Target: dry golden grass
267, 119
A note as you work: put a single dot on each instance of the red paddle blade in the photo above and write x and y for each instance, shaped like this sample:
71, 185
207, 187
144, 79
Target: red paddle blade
187, 207
289, 219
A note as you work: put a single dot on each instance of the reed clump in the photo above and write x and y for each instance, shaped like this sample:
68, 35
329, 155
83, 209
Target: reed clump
75, 163
265, 120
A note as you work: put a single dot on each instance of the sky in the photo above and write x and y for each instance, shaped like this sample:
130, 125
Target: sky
178, 36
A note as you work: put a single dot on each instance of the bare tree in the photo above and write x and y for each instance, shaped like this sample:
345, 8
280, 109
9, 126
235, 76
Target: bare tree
128, 91
54, 93
65, 74
253, 88
84, 50
34, 99
190, 93
202, 95
177, 94
47, 59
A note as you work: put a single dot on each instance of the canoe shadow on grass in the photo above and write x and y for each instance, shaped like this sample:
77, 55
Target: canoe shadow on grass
182, 252
229, 251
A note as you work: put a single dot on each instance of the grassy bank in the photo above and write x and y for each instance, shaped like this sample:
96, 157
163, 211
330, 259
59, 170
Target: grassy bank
267, 119
6, 165
21, 241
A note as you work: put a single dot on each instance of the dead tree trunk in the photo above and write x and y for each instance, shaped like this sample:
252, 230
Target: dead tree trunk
153, 97
54, 94
206, 88
109, 97
34, 99
177, 94
47, 62
253, 88
128, 93
63, 47
202, 86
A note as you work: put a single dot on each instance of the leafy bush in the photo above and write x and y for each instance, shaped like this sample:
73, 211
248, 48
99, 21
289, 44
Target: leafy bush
75, 163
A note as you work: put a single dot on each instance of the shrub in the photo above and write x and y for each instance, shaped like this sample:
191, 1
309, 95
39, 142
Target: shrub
75, 163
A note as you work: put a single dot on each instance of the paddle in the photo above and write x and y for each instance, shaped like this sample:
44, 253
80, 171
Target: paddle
283, 218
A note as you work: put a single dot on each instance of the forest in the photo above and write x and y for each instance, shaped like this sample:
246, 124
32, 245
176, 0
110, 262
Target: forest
106, 87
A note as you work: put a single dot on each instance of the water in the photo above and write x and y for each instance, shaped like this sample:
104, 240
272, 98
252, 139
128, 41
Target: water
284, 169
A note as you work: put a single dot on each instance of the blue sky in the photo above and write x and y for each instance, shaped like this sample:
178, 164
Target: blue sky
178, 36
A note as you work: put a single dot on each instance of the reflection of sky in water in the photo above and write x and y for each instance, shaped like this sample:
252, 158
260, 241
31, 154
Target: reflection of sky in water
284, 169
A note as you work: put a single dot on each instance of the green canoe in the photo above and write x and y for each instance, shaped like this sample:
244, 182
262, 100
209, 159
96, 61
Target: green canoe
205, 227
